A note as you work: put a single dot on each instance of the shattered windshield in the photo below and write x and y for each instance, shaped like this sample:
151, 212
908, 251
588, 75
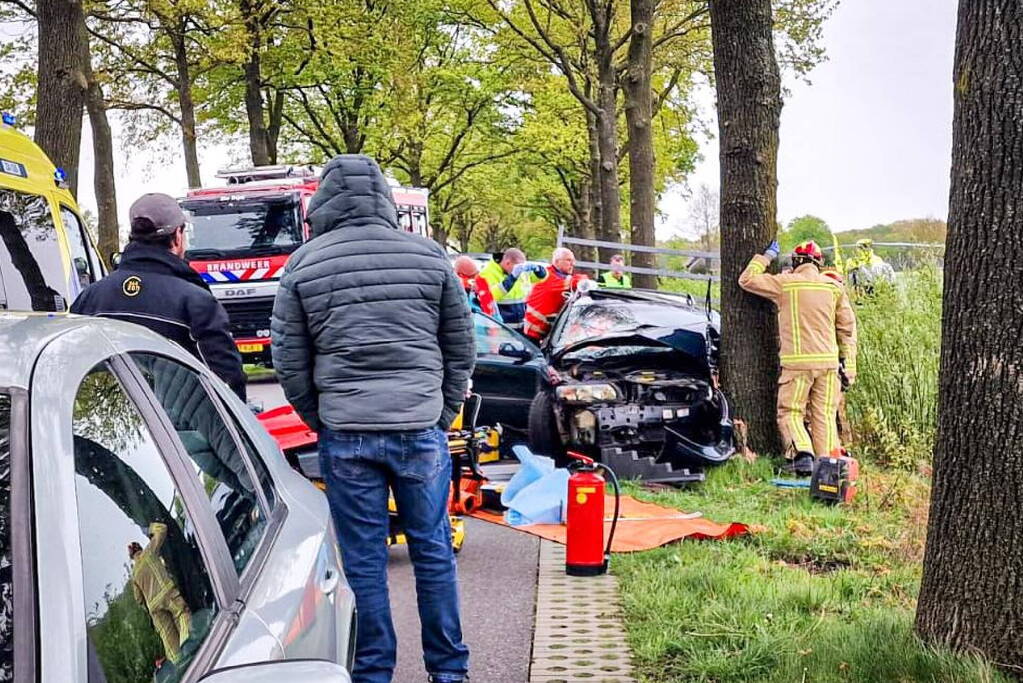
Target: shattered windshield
32, 274
222, 229
589, 320
597, 319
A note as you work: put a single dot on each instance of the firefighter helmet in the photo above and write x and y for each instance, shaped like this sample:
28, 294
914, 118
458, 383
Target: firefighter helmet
807, 252
865, 243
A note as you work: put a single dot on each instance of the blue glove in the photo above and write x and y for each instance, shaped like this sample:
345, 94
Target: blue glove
772, 250
539, 269
519, 269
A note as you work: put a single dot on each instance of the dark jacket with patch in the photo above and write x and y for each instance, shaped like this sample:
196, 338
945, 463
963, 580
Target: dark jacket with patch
371, 330
154, 288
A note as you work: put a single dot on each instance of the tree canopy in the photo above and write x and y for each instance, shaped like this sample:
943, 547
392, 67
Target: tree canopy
512, 114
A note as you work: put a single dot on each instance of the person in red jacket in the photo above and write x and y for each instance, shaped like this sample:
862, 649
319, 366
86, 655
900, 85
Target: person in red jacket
476, 288
547, 297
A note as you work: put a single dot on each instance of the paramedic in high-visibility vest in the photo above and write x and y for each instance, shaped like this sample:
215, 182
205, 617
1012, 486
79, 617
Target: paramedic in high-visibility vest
477, 290
548, 296
616, 278
817, 330
510, 280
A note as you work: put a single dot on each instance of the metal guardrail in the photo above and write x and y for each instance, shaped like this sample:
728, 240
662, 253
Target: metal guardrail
712, 255
660, 272
921, 245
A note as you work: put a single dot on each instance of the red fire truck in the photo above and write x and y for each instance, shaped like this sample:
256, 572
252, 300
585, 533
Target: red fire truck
242, 234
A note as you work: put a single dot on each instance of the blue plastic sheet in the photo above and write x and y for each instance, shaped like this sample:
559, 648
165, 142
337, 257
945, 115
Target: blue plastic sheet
537, 492
791, 483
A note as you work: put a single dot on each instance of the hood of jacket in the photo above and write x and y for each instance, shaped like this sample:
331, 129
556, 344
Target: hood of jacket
352, 192
148, 258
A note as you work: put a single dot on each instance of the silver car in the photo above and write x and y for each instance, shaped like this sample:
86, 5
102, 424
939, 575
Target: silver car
150, 529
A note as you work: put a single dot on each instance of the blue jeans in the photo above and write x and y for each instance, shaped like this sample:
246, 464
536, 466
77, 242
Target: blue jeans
359, 468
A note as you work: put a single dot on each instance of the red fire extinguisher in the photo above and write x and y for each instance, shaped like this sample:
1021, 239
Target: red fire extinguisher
586, 554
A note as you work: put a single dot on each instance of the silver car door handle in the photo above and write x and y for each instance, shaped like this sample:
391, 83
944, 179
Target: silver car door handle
329, 582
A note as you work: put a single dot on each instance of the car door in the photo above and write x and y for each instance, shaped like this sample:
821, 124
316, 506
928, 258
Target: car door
249, 512
506, 383
149, 595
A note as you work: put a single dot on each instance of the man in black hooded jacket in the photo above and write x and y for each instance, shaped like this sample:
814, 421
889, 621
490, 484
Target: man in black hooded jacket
155, 288
373, 346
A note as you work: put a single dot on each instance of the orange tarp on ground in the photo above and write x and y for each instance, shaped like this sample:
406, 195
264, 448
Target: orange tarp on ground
641, 526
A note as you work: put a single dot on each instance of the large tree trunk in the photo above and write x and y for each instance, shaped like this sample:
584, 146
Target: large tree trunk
749, 110
607, 133
103, 166
638, 113
254, 87
610, 196
60, 96
971, 597
596, 199
187, 106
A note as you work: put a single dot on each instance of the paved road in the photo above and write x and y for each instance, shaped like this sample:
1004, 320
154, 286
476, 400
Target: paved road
497, 575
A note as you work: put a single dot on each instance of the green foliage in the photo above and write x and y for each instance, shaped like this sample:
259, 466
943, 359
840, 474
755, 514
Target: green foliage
893, 405
126, 642
818, 593
804, 229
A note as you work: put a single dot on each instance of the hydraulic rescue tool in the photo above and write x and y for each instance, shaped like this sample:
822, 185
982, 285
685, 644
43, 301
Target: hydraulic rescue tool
834, 478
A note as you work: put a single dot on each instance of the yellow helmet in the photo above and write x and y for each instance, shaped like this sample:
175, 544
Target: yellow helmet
865, 243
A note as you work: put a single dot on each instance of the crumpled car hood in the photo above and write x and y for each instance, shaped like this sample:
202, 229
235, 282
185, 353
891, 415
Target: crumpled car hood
687, 341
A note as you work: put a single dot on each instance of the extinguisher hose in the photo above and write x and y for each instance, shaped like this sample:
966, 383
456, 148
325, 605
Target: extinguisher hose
618, 504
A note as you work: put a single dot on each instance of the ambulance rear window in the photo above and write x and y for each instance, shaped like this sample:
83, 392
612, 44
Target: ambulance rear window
32, 274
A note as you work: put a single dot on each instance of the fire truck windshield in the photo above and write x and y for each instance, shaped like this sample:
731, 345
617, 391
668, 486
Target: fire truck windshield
227, 229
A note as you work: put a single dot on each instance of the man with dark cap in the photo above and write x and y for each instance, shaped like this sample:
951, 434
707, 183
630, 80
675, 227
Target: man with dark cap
154, 287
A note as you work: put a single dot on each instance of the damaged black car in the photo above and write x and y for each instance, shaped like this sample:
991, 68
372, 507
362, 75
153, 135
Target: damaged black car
633, 382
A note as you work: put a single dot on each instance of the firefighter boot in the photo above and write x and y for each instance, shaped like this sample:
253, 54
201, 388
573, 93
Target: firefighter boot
802, 465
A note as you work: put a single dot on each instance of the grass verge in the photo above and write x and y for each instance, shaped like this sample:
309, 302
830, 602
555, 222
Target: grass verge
818, 594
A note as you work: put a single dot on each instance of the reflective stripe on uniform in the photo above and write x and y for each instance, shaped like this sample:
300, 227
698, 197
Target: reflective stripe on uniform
791, 286
800, 437
831, 429
794, 311
809, 357
756, 267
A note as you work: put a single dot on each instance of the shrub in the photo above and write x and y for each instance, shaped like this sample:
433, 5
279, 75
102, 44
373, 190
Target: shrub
893, 405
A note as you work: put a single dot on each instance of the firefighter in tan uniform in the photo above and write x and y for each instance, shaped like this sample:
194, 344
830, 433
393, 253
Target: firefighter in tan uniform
154, 588
817, 331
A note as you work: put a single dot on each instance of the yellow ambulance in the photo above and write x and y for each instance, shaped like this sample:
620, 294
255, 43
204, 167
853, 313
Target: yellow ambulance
46, 255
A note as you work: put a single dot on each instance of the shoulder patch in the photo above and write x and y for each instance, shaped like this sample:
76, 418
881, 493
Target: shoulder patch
132, 286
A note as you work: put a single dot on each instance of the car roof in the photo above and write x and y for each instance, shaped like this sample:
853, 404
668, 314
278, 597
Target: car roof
23, 336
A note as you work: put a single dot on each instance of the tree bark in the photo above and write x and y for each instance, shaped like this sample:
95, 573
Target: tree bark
607, 141
60, 97
258, 138
749, 111
639, 104
971, 597
596, 199
103, 163
187, 106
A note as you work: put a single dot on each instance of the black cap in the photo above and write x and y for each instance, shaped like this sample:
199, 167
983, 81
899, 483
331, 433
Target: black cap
161, 213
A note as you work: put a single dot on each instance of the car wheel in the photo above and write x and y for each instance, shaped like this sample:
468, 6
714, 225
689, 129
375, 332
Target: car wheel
544, 438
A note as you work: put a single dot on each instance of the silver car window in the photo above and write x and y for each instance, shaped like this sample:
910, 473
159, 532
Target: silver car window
149, 602
213, 451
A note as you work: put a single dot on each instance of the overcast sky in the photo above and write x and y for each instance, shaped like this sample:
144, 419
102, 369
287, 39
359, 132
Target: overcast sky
867, 141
